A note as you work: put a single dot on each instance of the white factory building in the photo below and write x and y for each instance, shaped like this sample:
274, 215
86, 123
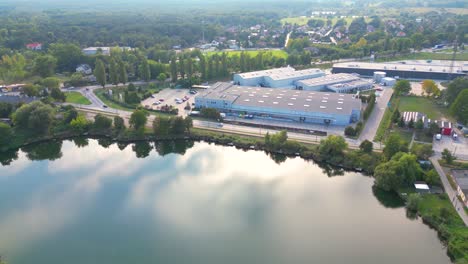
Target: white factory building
285, 77
338, 83
282, 104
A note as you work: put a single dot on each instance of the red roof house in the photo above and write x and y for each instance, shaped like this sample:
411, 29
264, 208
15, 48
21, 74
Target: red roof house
34, 46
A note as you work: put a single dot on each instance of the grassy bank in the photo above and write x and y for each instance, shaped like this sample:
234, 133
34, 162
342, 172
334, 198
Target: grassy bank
438, 212
76, 98
386, 119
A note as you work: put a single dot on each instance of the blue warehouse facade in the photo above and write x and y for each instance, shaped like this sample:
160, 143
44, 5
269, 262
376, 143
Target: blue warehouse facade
282, 104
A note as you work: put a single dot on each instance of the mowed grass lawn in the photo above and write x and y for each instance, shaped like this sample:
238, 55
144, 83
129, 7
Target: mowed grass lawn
423, 105
252, 53
76, 98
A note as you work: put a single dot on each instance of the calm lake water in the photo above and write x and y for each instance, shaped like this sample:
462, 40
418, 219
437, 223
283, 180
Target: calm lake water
87, 201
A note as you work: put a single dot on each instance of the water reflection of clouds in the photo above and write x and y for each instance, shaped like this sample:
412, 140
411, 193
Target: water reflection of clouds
48, 210
17, 166
222, 186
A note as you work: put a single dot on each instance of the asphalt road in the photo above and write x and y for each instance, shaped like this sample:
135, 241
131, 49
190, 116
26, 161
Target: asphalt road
448, 189
372, 124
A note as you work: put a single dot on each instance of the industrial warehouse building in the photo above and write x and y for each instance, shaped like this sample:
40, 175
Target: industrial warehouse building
282, 104
402, 70
338, 83
285, 77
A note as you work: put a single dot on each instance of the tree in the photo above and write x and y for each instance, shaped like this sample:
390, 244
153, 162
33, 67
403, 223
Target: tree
411, 123
138, 119
119, 123
102, 122
188, 123
402, 87
36, 117
144, 71
422, 151
162, 77
401, 170
5, 134
67, 55
177, 125
123, 78
419, 124
433, 129
80, 124
51, 82
393, 145
454, 88
211, 113
350, 131
459, 108
45, 65
366, 146
332, 146
173, 69
430, 88
31, 90
57, 94
100, 72
5, 110
448, 156
278, 139
113, 72
202, 65
432, 177
414, 199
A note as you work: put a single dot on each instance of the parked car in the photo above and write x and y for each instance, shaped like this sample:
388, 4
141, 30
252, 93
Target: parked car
104, 106
161, 100
438, 137
455, 136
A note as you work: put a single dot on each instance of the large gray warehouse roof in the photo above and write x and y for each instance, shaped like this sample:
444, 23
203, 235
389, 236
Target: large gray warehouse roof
394, 66
285, 99
329, 79
294, 74
256, 74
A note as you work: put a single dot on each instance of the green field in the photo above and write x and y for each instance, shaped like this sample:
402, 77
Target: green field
252, 53
76, 98
423, 105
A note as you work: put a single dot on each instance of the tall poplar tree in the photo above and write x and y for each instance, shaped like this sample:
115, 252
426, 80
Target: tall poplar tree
173, 69
100, 72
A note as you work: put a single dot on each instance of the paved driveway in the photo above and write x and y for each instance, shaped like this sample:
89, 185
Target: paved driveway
373, 122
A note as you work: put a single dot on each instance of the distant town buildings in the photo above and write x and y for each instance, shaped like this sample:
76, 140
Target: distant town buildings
34, 46
103, 50
84, 69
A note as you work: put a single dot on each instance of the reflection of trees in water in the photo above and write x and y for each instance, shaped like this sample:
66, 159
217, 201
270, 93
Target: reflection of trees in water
81, 142
50, 150
177, 146
7, 157
122, 145
388, 199
330, 170
105, 142
142, 149
277, 157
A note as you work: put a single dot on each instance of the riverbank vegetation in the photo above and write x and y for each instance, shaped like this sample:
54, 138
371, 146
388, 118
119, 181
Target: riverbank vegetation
437, 211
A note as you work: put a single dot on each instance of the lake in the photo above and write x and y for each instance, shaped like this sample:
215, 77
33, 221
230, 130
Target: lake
91, 201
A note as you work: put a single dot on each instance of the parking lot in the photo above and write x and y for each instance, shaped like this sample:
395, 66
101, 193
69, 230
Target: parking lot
168, 97
459, 146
